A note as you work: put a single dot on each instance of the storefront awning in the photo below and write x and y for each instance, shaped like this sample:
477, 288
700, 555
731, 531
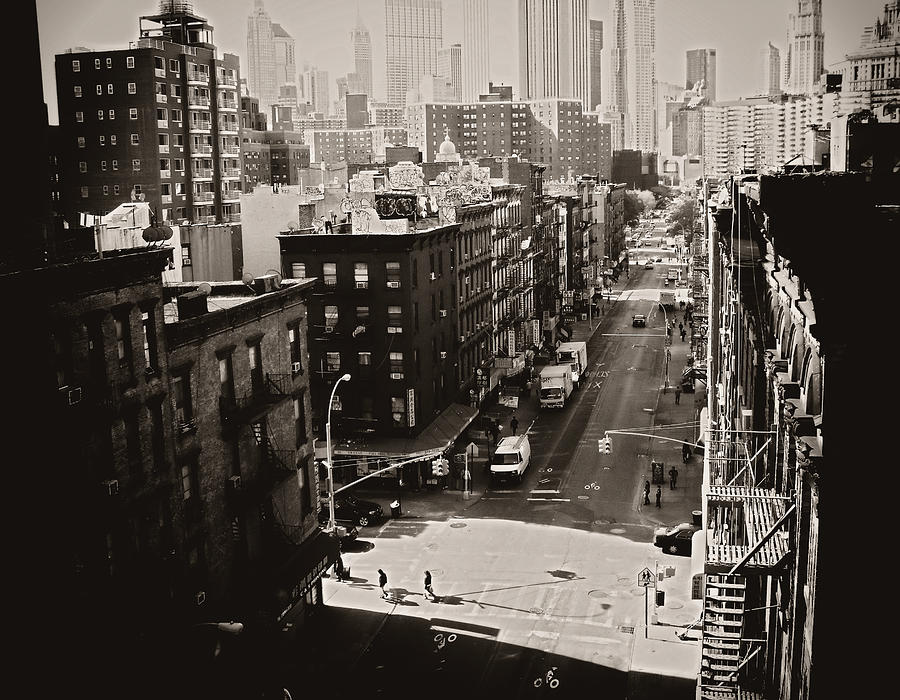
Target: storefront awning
306, 566
437, 437
561, 330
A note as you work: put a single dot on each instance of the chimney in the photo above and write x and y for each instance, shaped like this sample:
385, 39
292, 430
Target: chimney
191, 304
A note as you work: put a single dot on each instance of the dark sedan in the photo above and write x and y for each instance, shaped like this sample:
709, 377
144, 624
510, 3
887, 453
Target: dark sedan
675, 540
354, 510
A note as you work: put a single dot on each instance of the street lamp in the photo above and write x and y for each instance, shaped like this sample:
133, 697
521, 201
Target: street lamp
667, 336
331, 523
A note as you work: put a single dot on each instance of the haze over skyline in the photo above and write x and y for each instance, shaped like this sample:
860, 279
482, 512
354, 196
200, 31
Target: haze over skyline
738, 31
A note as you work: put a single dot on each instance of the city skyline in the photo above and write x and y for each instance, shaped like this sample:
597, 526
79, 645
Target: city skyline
323, 36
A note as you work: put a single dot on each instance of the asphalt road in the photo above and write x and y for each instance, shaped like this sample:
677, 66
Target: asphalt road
536, 582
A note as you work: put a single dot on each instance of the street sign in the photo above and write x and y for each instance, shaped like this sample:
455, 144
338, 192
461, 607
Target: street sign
472, 449
645, 578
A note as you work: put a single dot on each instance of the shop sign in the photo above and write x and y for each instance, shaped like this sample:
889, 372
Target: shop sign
411, 406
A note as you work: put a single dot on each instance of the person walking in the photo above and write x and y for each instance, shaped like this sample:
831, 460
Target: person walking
677, 394
339, 568
683, 333
646, 493
685, 453
659, 496
382, 581
514, 424
428, 591
673, 477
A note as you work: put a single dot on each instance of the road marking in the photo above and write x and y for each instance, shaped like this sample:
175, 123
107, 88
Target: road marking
564, 500
545, 491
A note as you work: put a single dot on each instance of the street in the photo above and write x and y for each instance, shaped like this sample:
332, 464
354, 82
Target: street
535, 583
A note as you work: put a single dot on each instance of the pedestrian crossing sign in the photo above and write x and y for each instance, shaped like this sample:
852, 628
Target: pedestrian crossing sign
645, 578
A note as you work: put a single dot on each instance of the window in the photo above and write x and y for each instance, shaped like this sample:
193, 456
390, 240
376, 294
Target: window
148, 331
298, 270
115, 165
133, 441
135, 140
99, 89
362, 315
115, 188
398, 411
396, 359
395, 319
112, 114
136, 165
81, 143
361, 275
84, 192
105, 189
123, 344
76, 66
82, 166
189, 492
329, 274
129, 61
295, 348
132, 113
392, 273
157, 437
364, 361
184, 407
226, 379
112, 140
299, 422
96, 64
331, 317
174, 66
79, 116
132, 88
109, 62
100, 115
185, 253
333, 361
102, 140
109, 88
176, 115
254, 353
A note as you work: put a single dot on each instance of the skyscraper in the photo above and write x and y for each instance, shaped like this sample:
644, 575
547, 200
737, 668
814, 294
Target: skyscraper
317, 89
701, 65
595, 52
553, 49
261, 78
633, 72
805, 60
362, 56
413, 34
770, 70
285, 57
450, 67
476, 52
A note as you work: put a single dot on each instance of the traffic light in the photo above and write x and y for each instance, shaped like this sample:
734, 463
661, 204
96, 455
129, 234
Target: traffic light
440, 467
445, 467
608, 446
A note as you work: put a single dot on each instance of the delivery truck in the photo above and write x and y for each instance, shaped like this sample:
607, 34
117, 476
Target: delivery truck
573, 354
667, 299
556, 385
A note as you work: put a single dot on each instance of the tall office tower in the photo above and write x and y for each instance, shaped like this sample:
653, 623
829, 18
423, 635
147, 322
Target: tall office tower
805, 60
701, 65
285, 57
413, 35
633, 72
261, 76
161, 125
870, 73
595, 40
476, 59
317, 89
553, 49
362, 57
770, 70
450, 67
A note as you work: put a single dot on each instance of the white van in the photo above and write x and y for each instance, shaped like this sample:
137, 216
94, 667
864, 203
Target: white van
511, 458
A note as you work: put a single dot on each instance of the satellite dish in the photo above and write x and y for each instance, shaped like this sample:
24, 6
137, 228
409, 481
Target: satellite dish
204, 288
247, 278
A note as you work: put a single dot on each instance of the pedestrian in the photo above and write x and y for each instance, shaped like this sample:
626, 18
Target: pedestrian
514, 424
382, 580
673, 477
677, 394
659, 496
339, 569
683, 333
680, 327
681, 304
646, 493
428, 591
685, 453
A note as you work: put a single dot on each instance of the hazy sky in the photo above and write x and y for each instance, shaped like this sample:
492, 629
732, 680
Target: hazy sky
738, 29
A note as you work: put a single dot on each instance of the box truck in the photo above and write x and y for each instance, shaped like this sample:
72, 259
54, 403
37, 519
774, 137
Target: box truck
667, 299
556, 385
573, 354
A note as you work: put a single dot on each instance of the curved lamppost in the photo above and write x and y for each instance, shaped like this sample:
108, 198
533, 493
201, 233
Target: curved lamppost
331, 523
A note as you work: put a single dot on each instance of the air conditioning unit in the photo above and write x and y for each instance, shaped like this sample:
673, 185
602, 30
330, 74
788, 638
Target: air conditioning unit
200, 597
396, 375
185, 261
111, 486
329, 329
467, 280
234, 483
295, 367
433, 276
362, 285
443, 313
466, 256
393, 285
443, 355
73, 394
461, 299
462, 339
395, 329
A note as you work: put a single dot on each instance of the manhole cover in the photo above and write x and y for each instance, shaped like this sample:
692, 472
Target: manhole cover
601, 522
624, 579
457, 525
536, 611
617, 531
675, 606
583, 498
598, 594
626, 629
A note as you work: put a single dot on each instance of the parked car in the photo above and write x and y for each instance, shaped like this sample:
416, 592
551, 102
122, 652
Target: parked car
648, 265
354, 511
659, 260
639, 320
675, 540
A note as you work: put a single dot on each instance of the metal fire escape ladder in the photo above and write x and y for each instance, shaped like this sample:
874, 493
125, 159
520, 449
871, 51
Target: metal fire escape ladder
762, 541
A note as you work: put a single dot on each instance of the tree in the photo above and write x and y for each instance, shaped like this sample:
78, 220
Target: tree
684, 214
649, 200
634, 207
